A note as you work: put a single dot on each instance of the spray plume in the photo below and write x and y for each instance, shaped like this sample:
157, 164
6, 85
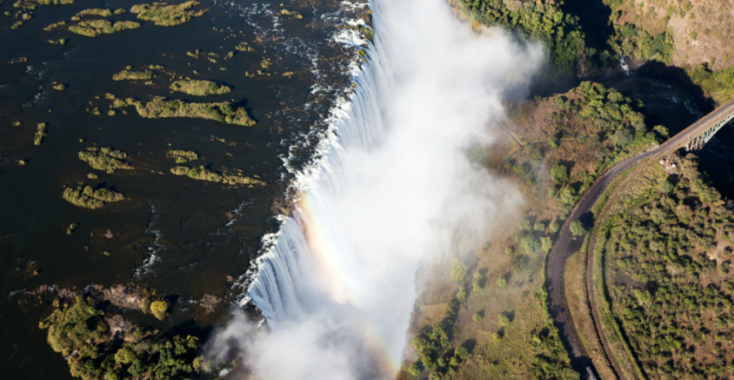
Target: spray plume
338, 285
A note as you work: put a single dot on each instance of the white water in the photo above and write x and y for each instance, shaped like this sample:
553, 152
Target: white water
624, 66
391, 183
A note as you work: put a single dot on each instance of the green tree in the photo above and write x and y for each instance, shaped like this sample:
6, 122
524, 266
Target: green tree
524, 225
477, 282
476, 317
577, 228
568, 195
504, 321
554, 227
623, 137
159, 308
458, 272
546, 243
414, 369
539, 226
559, 174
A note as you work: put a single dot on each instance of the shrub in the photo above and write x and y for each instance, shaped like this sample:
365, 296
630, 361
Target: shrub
577, 228
458, 272
159, 308
559, 174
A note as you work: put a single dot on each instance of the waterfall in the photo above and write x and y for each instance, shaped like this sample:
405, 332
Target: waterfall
624, 65
337, 284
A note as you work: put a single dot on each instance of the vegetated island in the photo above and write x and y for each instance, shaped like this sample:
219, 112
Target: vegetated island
225, 112
133, 75
199, 87
99, 344
97, 12
25, 8
94, 28
167, 15
106, 159
40, 134
667, 246
203, 174
90, 198
182, 156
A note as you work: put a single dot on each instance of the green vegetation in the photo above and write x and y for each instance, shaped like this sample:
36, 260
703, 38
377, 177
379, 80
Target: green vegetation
224, 112
89, 198
99, 345
59, 87
105, 159
182, 156
577, 228
544, 21
243, 46
133, 75
203, 174
718, 85
668, 247
159, 308
167, 15
40, 134
70, 229
55, 26
199, 87
292, 14
94, 28
93, 12
633, 41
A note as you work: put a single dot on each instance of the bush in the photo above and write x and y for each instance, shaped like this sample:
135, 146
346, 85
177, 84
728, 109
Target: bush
559, 174
577, 228
458, 272
159, 308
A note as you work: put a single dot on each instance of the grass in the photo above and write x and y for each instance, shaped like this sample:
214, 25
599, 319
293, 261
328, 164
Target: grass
199, 87
224, 112
167, 15
90, 198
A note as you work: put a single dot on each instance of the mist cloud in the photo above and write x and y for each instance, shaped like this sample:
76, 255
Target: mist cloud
390, 193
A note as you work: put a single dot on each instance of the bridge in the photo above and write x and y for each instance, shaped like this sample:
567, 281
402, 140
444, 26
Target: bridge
692, 138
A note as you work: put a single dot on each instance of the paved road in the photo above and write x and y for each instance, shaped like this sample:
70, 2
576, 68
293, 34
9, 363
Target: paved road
566, 245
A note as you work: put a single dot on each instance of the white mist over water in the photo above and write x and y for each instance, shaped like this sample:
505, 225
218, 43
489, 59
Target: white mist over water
338, 285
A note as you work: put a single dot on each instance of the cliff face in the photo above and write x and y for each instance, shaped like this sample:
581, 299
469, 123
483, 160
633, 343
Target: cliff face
699, 31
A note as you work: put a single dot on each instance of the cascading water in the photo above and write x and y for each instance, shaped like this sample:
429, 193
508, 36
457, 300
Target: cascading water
337, 284
624, 66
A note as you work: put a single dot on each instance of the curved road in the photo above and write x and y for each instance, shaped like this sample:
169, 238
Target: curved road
567, 244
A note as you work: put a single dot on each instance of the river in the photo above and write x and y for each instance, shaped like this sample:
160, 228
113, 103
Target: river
181, 236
